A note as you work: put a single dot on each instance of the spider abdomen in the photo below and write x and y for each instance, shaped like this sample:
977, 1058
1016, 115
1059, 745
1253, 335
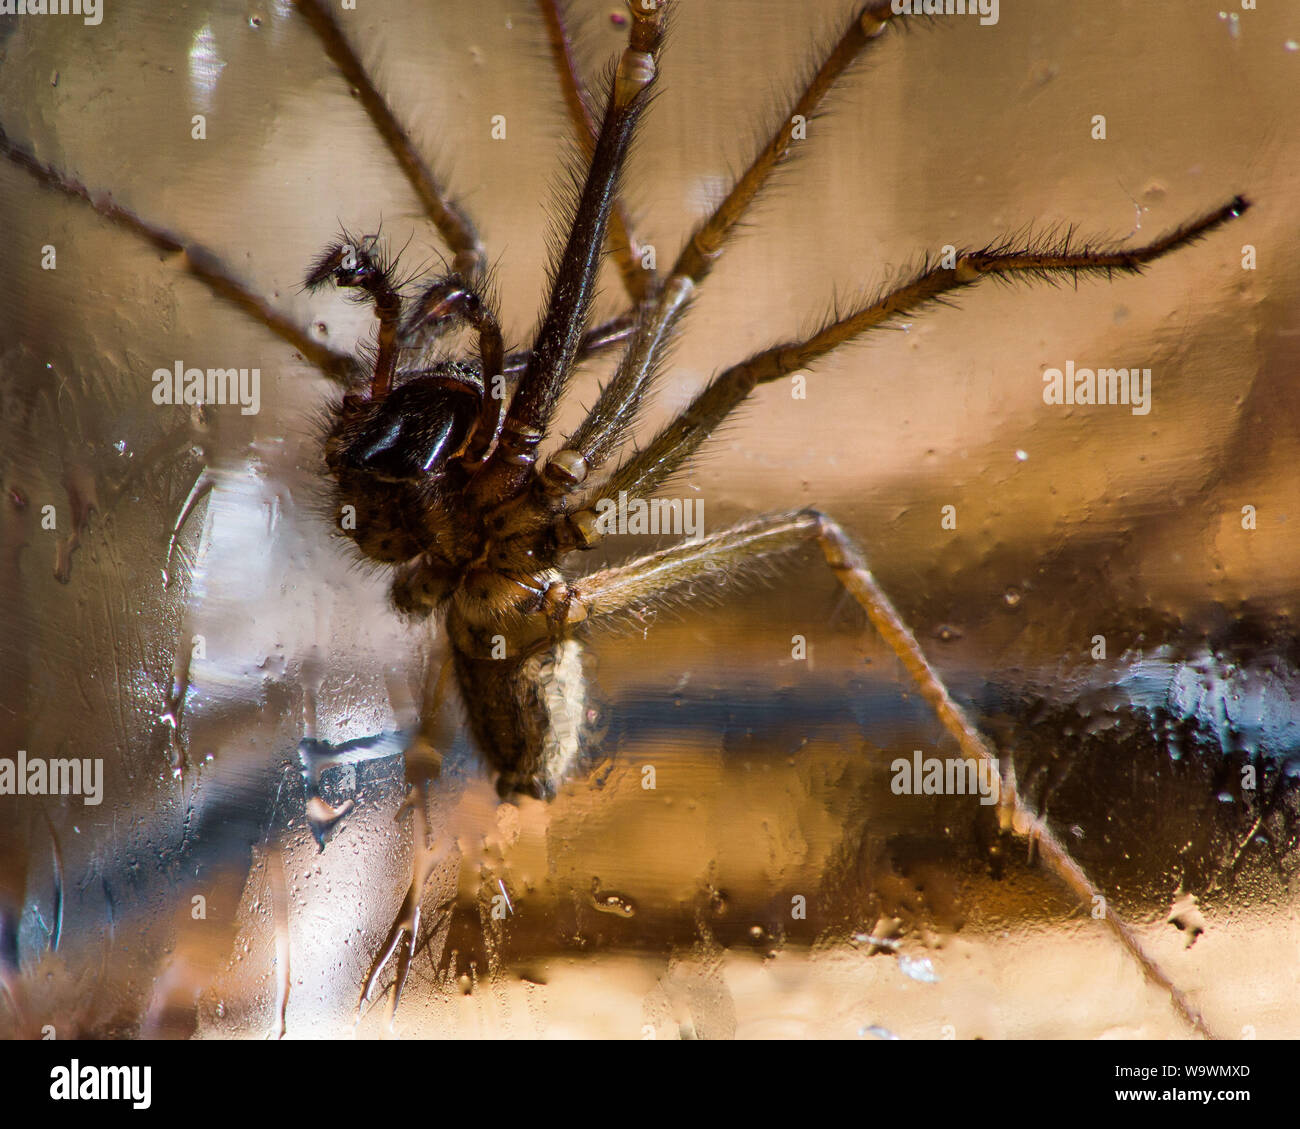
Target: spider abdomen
529, 714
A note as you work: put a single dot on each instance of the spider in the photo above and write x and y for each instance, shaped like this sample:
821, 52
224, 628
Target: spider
437, 466
438, 471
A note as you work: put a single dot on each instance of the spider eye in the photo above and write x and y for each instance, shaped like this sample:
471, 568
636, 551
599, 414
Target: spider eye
408, 435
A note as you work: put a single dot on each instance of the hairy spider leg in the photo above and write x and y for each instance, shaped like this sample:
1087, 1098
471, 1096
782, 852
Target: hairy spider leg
452, 222
607, 424
620, 241
615, 411
195, 259
510, 467
680, 438
730, 554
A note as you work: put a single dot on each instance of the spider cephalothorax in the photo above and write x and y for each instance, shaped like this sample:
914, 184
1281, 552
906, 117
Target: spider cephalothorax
395, 451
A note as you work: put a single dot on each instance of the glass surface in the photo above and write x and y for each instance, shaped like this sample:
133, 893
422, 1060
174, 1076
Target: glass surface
743, 895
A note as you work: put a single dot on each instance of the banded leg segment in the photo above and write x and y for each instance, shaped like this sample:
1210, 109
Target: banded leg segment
744, 550
683, 436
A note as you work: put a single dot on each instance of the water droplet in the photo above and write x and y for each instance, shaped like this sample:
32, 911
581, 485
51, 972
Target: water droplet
608, 902
885, 943
918, 968
1012, 596
205, 66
